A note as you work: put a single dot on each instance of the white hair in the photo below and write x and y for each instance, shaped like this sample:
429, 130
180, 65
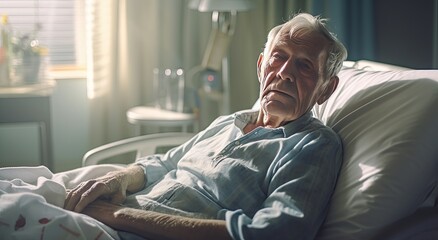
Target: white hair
336, 52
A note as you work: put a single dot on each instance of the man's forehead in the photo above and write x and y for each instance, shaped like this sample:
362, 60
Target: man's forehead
311, 42
301, 37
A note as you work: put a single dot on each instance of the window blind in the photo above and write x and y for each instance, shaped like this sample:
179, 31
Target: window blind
56, 19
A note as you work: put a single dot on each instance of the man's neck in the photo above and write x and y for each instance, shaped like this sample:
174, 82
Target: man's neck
263, 121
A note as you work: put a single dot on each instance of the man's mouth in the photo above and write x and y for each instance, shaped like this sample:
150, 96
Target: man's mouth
276, 91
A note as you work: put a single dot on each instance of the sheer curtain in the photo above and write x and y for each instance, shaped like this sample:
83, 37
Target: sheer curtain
128, 38
106, 86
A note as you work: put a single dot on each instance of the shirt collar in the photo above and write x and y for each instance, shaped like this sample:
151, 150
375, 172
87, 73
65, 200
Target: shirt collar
242, 118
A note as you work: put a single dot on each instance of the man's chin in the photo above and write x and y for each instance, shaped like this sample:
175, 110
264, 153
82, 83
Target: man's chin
280, 109
274, 107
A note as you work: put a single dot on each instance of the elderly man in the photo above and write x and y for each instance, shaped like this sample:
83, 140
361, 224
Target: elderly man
256, 174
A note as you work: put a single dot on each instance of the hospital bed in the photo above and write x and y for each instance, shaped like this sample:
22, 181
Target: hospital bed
387, 117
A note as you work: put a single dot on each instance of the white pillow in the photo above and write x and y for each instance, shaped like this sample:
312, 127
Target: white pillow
388, 122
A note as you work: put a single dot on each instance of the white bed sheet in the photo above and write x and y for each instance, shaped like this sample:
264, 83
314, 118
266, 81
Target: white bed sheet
31, 200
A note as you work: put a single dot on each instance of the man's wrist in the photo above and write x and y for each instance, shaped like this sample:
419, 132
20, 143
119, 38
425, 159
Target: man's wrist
131, 220
135, 177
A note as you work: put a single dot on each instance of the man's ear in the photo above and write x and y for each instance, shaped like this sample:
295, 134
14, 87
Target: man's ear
329, 89
259, 65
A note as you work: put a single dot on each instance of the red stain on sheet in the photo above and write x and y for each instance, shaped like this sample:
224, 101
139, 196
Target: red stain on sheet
21, 222
42, 233
44, 220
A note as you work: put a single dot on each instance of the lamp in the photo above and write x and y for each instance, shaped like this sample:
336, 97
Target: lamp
223, 17
220, 5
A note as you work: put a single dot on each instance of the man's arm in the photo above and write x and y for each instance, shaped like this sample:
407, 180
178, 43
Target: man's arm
153, 225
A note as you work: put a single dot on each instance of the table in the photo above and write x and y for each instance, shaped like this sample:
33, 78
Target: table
151, 116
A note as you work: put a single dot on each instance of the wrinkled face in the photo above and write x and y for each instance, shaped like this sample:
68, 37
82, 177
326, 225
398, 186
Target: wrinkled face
291, 76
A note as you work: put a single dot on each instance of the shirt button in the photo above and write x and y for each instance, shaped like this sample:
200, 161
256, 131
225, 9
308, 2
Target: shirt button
236, 143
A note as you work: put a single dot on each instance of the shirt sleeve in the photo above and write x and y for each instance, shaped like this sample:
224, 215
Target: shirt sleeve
158, 165
300, 186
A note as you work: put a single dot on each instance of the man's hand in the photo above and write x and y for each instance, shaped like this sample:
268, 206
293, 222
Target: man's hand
113, 187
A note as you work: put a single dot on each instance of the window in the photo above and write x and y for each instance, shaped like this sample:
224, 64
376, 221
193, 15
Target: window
57, 24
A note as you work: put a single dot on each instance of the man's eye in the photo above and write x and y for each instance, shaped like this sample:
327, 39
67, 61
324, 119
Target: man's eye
276, 56
304, 66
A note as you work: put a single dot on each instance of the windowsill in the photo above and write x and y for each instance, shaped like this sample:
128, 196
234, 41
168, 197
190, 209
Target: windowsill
43, 88
67, 73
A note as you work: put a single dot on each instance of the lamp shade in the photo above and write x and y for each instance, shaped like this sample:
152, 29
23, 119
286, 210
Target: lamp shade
220, 5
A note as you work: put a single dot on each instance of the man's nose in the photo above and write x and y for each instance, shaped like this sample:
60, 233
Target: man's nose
286, 72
